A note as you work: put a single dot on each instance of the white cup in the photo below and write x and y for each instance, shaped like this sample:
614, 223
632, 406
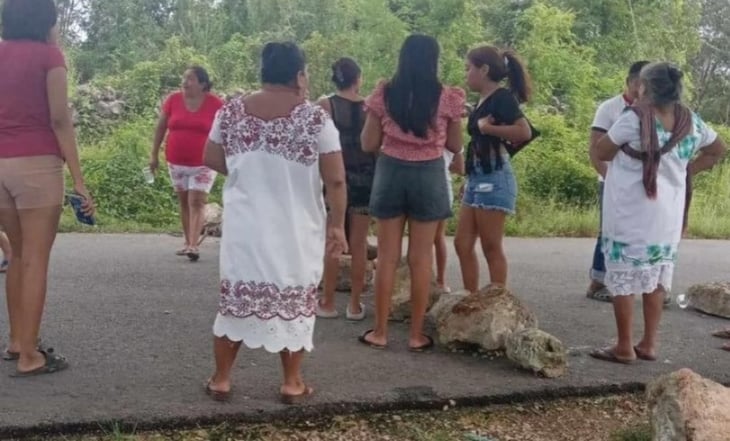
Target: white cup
149, 177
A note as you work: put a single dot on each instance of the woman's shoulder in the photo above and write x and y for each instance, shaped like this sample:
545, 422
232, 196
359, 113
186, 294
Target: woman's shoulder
214, 99
453, 100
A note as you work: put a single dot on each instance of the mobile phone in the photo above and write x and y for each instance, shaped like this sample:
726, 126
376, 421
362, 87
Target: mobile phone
77, 201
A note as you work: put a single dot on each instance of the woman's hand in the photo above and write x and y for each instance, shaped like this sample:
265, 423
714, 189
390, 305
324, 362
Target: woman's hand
485, 124
336, 244
88, 205
154, 164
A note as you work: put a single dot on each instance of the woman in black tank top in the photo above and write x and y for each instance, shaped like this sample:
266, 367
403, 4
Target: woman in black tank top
347, 110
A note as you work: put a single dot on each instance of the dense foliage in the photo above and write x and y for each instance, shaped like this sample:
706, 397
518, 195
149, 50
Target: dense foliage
577, 50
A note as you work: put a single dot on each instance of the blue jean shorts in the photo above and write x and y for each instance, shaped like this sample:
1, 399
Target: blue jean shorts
496, 190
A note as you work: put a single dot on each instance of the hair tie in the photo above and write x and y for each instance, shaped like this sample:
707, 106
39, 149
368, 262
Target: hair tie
339, 75
506, 61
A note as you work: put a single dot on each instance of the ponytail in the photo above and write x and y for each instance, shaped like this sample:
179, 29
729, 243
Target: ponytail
517, 76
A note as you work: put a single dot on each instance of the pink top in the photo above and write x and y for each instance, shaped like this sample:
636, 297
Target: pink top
25, 118
407, 146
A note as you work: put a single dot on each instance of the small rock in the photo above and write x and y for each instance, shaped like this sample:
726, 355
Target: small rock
397, 418
686, 407
711, 298
538, 351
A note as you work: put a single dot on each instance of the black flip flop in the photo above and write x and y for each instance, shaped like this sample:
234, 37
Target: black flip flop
606, 354
364, 341
643, 355
194, 256
54, 363
424, 347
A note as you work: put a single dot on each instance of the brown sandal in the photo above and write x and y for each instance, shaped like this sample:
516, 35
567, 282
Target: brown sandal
607, 354
217, 395
291, 400
725, 333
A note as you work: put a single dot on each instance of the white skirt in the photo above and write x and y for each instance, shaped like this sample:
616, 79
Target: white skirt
274, 335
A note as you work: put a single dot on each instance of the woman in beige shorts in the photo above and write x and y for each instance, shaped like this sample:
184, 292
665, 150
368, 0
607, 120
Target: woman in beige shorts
36, 138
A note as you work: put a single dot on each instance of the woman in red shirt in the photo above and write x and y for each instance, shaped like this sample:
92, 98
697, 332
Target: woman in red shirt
36, 137
187, 118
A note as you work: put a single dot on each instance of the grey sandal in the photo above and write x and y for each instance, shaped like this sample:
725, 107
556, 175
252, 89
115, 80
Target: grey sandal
602, 295
54, 363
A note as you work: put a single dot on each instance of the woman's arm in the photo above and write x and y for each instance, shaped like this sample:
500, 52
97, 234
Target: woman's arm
517, 133
708, 157
160, 132
454, 136
62, 124
457, 165
598, 165
372, 134
214, 158
604, 150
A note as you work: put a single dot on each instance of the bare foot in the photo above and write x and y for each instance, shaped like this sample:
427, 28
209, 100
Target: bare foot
422, 341
216, 385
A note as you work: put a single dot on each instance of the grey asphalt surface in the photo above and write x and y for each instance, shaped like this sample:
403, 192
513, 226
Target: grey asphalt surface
135, 323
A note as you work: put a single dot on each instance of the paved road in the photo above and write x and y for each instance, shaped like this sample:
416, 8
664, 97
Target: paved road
135, 322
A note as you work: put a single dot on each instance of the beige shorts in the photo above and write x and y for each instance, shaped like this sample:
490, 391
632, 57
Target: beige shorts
31, 182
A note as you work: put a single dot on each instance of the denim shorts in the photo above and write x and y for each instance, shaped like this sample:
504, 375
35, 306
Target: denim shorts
496, 190
415, 189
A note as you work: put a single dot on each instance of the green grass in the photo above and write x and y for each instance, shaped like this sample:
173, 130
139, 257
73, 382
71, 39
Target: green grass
641, 433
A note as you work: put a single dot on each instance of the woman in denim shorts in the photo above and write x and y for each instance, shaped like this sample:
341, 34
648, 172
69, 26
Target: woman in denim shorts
490, 192
410, 119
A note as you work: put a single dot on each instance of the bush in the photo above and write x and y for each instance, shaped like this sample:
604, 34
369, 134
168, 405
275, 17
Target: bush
556, 166
113, 170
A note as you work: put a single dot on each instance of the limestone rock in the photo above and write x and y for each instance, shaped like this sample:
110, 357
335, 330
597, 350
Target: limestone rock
686, 407
538, 351
711, 298
212, 219
400, 307
484, 319
344, 275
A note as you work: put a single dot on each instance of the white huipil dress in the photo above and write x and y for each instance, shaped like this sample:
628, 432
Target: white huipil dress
273, 239
641, 235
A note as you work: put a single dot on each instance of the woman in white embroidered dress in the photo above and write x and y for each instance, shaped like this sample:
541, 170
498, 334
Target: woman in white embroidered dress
651, 148
275, 149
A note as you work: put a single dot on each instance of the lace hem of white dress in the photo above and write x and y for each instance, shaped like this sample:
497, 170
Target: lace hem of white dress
274, 335
646, 280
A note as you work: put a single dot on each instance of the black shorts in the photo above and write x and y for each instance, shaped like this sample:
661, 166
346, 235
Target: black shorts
415, 189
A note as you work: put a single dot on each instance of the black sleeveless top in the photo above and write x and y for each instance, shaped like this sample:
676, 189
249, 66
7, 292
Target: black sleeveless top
349, 118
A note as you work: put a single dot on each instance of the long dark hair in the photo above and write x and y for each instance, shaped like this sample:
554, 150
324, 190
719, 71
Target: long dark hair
412, 96
504, 65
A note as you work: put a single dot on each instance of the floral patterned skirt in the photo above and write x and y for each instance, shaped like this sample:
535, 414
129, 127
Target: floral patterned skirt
638, 269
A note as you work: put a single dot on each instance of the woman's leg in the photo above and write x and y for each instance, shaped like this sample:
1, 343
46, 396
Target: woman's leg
196, 205
359, 225
11, 223
291, 363
441, 254
184, 200
490, 225
623, 307
390, 237
38, 228
225, 352
327, 307
653, 305
464, 242
421, 236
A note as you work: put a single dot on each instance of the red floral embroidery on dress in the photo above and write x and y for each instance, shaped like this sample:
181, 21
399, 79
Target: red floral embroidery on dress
293, 137
266, 300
